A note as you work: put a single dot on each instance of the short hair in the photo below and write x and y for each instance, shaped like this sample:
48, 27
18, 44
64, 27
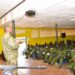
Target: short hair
5, 26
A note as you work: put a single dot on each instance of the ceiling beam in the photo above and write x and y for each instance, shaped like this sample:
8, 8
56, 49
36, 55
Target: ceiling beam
12, 9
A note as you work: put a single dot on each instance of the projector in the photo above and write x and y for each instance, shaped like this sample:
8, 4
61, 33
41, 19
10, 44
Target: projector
30, 13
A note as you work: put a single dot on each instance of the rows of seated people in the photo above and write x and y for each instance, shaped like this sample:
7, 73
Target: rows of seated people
52, 54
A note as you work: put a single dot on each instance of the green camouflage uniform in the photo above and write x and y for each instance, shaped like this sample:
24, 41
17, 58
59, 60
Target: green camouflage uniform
10, 49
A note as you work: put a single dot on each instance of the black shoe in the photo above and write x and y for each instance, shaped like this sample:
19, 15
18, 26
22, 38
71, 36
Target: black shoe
49, 62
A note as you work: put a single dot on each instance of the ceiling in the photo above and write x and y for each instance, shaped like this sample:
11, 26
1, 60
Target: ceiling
62, 13
6, 5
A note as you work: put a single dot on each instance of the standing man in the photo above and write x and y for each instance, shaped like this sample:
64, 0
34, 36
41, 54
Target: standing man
10, 45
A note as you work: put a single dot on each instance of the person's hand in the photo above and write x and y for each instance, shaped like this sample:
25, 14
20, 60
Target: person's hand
18, 41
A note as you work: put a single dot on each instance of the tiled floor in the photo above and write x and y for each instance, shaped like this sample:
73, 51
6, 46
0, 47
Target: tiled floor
51, 70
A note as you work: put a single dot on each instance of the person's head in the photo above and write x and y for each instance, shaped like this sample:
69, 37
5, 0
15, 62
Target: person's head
8, 28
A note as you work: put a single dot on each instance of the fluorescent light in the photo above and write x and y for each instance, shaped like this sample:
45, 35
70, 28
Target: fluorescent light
72, 19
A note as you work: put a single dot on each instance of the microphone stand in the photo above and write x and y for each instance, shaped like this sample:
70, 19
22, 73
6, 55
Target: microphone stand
8, 69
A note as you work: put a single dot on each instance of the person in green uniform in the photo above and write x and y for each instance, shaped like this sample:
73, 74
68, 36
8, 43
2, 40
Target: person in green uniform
10, 45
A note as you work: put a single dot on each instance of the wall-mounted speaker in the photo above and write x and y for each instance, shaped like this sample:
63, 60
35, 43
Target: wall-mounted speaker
63, 35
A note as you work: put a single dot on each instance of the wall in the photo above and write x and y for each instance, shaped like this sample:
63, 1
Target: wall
1, 35
40, 35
